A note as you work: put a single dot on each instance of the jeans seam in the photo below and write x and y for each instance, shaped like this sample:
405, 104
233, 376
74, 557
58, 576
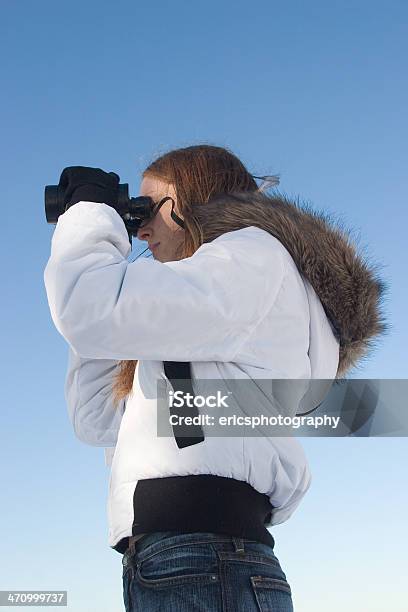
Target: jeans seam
129, 587
266, 582
248, 558
223, 584
142, 560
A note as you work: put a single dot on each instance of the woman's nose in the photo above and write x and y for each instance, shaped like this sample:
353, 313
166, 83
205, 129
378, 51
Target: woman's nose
144, 233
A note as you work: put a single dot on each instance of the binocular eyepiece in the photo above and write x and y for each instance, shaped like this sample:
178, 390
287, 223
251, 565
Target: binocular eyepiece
132, 210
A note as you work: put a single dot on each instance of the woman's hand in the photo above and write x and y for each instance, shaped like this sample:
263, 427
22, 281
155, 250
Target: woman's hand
79, 183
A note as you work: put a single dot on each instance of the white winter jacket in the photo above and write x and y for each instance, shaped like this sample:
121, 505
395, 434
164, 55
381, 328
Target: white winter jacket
237, 308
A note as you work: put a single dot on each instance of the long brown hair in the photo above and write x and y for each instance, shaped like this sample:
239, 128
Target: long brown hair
197, 173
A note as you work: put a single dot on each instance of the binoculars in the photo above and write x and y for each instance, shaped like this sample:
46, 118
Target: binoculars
132, 210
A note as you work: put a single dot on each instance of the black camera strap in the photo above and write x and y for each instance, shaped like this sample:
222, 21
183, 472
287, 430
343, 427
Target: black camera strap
179, 375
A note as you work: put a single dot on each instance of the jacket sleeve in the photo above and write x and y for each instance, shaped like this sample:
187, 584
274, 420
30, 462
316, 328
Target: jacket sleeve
88, 394
282, 514
201, 308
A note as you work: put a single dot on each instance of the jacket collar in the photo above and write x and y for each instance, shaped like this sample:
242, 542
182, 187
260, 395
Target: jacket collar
348, 287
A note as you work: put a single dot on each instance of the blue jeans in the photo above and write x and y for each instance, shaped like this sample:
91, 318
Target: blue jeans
203, 572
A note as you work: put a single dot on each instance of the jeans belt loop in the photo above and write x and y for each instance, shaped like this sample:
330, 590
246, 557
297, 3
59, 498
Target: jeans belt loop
132, 545
238, 544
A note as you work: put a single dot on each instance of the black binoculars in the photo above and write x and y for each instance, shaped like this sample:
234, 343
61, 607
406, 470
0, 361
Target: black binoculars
132, 210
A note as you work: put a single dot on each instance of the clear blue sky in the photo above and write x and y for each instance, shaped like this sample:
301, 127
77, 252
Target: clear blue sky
314, 91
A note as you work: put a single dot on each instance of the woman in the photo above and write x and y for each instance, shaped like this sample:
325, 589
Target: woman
241, 286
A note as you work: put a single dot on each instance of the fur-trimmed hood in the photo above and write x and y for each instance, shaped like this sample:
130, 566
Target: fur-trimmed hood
347, 285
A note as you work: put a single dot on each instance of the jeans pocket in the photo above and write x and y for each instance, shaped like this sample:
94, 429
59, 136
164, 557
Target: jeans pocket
178, 565
175, 579
272, 594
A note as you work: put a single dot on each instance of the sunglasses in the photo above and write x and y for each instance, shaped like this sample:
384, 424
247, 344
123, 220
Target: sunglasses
156, 207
